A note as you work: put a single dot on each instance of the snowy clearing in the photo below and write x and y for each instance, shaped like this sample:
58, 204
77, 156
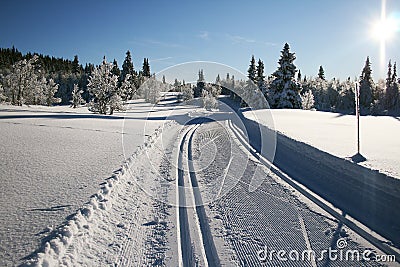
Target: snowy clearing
54, 159
337, 134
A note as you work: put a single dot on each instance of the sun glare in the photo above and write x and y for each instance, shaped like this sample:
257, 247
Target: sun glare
384, 29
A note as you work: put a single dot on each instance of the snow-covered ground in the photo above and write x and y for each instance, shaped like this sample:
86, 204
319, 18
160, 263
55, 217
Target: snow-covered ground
336, 134
53, 159
114, 178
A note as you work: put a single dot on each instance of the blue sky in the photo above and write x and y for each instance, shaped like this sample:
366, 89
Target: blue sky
334, 34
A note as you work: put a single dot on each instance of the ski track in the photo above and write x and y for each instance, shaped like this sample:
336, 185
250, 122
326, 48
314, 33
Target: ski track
270, 216
129, 223
121, 217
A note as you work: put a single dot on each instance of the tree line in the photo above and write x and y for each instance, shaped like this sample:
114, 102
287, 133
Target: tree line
286, 88
37, 79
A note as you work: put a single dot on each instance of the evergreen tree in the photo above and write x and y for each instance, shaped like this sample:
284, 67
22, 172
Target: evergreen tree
163, 79
366, 86
299, 77
260, 72
392, 89
177, 85
152, 89
2, 94
76, 68
50, 89
307, 100
251, 72
115, 70
198, 91
76, 97
23, 83
346, 101
103, 87
146, 68
321, 73
127, 67
218, 80
285, 90
187, 92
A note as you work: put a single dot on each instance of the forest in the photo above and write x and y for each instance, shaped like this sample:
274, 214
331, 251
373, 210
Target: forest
36, 79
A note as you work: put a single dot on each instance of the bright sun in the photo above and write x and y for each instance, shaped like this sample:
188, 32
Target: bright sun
384, 29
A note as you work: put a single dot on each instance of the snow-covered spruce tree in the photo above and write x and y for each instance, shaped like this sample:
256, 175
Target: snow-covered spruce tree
260, 72
115, 70
392, 89
2, 94
50, 90
151, 89
319, 88
77, 99
22, 81
146, 68
251, 72
127, 67
102, 87
321, 73
378, 95
307, 100
332, 94
187, 92
284, 91
209, 100
299, 77
198, 90
251, 96
366, 86
128, 89
346, 101
177, 85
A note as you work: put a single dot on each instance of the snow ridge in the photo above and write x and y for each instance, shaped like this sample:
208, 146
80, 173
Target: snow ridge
56, 249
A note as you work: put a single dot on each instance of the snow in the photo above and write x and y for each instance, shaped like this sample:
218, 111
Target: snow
100, 190
336, 134
55, 158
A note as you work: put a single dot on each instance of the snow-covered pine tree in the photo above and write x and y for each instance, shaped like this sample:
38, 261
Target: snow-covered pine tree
2, 94
260, 72
21, 82
115, 70
321, 73
152, 89
76, 68
218, 80
127, 89
198, 90
128, 68
116, 102
285, 90
346, 101
392, 89
146, 68
102, 86
187, 92
177, 85
50, 90
77, 97
209, 97
366, 86
251, 72
307, 100
299, 77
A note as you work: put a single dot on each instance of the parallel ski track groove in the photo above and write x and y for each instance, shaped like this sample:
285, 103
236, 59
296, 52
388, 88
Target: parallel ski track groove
349, 223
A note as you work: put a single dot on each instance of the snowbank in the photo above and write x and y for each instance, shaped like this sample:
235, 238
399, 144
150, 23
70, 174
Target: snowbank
336, 134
